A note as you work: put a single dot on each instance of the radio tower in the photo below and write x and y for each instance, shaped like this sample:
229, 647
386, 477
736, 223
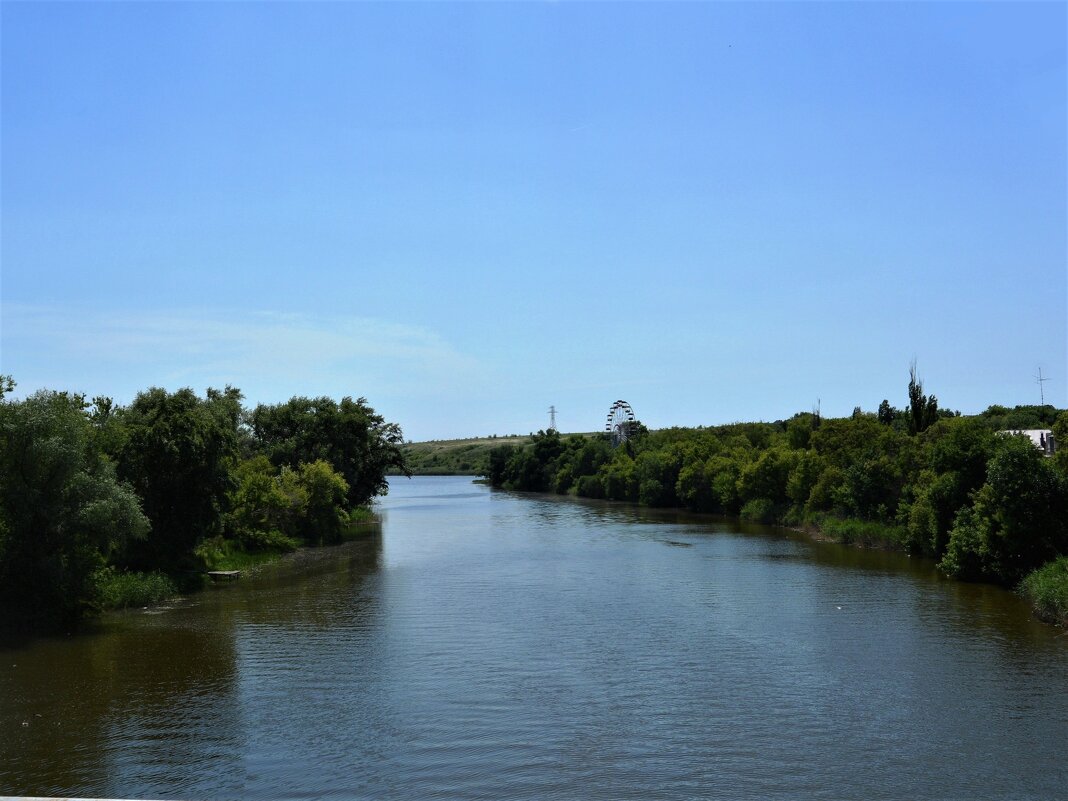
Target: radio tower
1041, 389
552, 418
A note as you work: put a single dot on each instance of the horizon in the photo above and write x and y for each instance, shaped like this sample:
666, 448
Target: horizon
468, 213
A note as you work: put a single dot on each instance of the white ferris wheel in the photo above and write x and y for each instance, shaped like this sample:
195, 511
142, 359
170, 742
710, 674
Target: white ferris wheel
620, 422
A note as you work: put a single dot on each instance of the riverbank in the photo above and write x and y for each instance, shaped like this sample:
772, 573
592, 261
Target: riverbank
985, 505
107, 506
1047, 590
124, 590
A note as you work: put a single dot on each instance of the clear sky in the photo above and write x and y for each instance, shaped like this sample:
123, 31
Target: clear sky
468, 212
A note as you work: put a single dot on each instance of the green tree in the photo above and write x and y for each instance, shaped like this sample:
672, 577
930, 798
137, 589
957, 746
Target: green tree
594, 452
1018, 520
694, 487
547, 447
929, 516
498, 464
962, 446
923, 410
803, 477
822, 496
724, 471
869, 488
179, 453
619, 479
62, 511
657, 473
261, 509
358, 443
1060, 439
325, 514
886, 413
767, 476
1001, 418
799, 431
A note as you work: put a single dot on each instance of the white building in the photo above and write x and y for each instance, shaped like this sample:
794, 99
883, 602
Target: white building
1041, 437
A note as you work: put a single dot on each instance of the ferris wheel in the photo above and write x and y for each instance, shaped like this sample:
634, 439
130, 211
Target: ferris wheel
620, 422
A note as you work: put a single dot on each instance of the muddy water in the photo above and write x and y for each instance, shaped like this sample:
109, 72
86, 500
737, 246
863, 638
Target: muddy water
491, 645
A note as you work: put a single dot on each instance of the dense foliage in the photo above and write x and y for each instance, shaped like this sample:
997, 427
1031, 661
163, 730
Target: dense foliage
988, 506
358, 443
105, 506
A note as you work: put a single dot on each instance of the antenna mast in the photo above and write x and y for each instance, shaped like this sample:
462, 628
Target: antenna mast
1041, 390
552, 418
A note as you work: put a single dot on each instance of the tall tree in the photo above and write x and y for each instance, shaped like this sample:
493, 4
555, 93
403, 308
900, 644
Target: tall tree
923, 410
62, 511
359, 444
1016, 521
886, 412
179, 453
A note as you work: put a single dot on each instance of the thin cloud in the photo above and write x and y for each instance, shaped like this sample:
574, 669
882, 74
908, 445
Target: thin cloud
265, 353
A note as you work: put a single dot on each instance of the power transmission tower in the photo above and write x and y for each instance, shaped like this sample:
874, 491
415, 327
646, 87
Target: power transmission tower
552, 418
1041, 389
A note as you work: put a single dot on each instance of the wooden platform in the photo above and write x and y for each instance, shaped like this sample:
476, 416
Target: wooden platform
224, 575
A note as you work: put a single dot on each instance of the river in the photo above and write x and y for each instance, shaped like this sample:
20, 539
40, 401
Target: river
491, 645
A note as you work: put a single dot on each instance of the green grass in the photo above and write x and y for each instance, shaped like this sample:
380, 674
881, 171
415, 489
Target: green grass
760, 510
219, 553
123, 590
457, 457
362, 522
1047, 589
362, 515
869, 533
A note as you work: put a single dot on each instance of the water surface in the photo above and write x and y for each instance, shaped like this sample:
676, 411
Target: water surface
490, 645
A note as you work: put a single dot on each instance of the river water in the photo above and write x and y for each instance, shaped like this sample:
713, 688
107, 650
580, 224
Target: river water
493, 645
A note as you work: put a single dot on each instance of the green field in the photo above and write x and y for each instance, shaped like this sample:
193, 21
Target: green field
456, 457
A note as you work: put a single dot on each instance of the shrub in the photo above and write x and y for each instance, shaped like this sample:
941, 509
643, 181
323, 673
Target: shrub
360, 515
1016, 521
1047, 589
120, 590
219, 553
759, 510
590, 487
869, 533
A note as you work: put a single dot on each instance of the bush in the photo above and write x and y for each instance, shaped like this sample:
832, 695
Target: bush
1047, 589
590, 487
1016, 521
361, 515
652, 493
864, 532
62, 512
219, 553
120, 590
759, 510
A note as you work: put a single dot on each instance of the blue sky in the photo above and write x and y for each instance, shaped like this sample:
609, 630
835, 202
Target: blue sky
468, 212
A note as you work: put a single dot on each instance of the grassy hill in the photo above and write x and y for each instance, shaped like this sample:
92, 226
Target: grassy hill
455, 457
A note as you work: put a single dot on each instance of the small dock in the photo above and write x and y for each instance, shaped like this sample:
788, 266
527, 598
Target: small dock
224, 575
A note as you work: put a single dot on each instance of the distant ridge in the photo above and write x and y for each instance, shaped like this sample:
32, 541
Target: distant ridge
458, 457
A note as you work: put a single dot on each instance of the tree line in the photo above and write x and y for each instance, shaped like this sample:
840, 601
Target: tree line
988, 507
101, 504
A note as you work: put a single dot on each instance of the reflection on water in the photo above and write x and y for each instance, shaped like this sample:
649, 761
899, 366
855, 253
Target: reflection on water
490, 644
